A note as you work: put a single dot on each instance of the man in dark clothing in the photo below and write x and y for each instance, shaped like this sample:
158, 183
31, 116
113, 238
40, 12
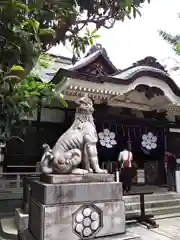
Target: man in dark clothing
171, 169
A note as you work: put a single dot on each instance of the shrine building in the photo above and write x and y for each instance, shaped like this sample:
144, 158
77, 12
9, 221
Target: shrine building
140, 104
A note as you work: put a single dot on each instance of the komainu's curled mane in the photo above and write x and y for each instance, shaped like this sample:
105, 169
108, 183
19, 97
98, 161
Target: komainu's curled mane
77, 145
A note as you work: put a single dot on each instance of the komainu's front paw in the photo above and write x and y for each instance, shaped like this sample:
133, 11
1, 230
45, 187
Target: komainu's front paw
101, 171
79, 171
90, 170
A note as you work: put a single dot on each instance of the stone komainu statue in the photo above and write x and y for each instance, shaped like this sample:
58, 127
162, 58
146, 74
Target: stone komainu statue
77, 145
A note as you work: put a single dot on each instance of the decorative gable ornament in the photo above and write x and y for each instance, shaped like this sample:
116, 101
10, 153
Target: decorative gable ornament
107, 138
149, 141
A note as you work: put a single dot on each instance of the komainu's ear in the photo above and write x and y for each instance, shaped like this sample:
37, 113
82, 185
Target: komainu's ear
84, 100
78, 102
46, 147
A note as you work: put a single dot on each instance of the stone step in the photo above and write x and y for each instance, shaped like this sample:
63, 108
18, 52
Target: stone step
161, 205
6, 214
166, 216
156, 211
124, 236
8, 229
153, 204
152, 197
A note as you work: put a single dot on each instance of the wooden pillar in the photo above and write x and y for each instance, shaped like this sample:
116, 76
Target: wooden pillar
165, 150
129, 143
165, 139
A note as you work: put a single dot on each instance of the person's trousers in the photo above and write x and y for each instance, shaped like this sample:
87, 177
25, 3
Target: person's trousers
170, 179
126, 178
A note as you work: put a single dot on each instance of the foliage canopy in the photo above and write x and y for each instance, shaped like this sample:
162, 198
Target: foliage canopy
19, 98
29, 27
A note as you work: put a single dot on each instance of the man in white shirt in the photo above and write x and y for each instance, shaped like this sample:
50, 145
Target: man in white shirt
125, 158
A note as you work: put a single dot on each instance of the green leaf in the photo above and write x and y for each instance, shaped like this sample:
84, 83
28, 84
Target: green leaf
134, 12
17, 68
33, 23
96, 36
21, 5
91, 41
177, 47
25, 104
94, 31
129, 3
47, 31
137, 12
88, 32
35, 93
63, 102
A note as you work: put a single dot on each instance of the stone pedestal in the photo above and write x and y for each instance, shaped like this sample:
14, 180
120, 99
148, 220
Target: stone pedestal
21, 219
81, 210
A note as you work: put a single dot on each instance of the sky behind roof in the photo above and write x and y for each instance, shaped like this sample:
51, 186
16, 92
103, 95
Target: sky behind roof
135, 39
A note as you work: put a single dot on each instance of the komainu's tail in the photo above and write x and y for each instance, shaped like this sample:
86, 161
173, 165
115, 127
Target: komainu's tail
47, 159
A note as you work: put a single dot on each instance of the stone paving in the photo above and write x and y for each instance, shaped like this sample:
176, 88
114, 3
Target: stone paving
168, 229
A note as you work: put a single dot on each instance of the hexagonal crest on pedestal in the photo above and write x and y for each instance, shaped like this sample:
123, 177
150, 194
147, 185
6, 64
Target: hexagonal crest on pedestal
87, 221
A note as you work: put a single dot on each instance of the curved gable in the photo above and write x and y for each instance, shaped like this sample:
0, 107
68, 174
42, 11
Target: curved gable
129, 76
139, 86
